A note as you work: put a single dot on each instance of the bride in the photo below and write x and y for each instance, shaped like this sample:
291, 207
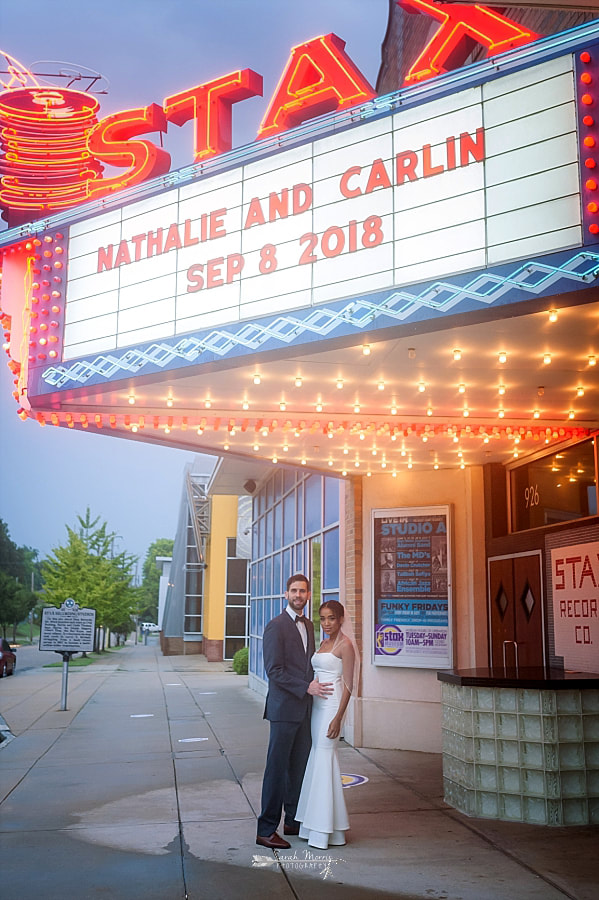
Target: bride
321, 808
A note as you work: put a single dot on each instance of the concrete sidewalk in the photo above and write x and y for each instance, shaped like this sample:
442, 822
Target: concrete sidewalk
148, 787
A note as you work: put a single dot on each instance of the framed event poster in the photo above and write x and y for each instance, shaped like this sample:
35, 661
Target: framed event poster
412, 587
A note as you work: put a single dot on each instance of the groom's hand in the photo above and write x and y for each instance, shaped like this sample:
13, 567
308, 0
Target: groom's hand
320, 690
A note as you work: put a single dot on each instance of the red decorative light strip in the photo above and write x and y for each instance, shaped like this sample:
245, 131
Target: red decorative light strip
587, 82
305, 428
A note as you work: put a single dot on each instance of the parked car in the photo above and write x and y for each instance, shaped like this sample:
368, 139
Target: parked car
150, 627
8, 658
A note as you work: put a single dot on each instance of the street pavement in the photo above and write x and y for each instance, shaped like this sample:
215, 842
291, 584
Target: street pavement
148, 786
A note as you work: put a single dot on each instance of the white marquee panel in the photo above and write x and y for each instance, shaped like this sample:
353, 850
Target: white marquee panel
527, 186
518, 193
541, 243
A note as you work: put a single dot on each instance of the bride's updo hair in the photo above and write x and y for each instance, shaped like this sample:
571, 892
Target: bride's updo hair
335, 607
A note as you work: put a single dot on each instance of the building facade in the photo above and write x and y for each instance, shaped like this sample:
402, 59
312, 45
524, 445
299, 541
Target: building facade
384, 322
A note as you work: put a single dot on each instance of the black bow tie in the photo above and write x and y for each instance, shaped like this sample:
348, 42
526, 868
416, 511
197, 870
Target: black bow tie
300, 619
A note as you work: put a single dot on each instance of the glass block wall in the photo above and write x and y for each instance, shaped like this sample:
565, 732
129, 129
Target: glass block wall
295, 528
522, 755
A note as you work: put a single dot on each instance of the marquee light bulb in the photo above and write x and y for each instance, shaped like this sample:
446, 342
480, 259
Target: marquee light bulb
339, 384
282, 406
547, 358
553, 315
257, 378
502, 356
592, 360
461, 388
580, 391
366, 349
298, 381
457, 355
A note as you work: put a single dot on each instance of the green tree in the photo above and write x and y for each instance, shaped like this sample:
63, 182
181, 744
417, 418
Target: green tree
12, 560
87, 569
148, 600
20, 571
9, 589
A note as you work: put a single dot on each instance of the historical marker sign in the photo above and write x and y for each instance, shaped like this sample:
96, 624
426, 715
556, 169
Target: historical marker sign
68, 629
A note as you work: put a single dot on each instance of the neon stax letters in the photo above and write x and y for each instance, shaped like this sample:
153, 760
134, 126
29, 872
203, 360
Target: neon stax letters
319, 77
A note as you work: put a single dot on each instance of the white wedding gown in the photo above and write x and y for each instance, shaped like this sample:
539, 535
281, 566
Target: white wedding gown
321, 808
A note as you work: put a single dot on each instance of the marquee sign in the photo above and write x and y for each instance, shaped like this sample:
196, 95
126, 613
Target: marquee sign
423, 193
430, 202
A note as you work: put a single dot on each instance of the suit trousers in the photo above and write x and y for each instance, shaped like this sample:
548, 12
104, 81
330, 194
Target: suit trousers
288, 751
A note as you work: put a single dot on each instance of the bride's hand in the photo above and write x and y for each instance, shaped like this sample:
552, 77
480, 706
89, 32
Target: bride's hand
318, 689
334, 728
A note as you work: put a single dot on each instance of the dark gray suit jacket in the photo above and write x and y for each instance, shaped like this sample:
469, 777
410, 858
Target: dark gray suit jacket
289, 669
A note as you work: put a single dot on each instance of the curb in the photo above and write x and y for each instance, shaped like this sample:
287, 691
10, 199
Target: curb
6, 735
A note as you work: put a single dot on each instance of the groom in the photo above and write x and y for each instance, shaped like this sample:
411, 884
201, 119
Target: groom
288, 645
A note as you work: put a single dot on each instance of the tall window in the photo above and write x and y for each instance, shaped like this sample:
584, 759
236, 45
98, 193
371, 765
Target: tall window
295, 529
194, 584
236, 601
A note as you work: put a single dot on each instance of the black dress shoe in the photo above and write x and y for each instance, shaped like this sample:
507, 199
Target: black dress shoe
274, 842
291, 829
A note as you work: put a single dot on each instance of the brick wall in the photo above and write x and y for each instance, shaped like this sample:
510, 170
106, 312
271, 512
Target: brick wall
353, 597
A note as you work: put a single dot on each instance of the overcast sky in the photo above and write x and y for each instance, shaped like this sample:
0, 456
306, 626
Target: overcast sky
146, 50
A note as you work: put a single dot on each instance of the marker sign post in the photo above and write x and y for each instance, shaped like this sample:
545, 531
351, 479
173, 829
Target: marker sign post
67, 630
